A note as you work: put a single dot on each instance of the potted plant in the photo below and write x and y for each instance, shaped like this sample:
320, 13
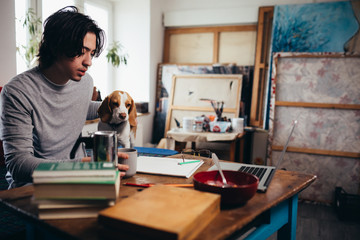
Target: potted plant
113, 56
33, 25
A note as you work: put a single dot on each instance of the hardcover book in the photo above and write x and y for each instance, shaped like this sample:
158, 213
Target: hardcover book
76, 180
65, 209
74, 171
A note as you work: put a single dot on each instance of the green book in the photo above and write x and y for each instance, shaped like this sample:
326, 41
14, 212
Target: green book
70, 189
76, 172
76, 180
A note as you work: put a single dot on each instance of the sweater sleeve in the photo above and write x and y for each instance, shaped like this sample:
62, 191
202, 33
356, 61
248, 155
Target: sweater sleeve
92, 111
16, 130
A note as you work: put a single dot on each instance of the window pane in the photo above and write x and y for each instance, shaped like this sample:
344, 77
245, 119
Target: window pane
51, 6
20, 11
100, 67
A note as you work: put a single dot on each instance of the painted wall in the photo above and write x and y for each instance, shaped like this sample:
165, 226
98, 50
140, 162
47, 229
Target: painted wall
7, 41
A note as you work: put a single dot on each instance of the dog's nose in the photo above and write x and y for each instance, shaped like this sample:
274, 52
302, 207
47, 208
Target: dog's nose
122, 115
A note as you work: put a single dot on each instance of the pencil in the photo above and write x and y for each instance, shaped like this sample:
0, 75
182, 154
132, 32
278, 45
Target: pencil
167, 184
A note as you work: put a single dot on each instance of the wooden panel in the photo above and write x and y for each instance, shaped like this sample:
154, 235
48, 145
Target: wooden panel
163, 212
214, 49
191, 48
261, 66
317, 105
237, 47
318, 151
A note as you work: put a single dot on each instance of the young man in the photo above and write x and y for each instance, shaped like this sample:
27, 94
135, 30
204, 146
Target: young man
43, 110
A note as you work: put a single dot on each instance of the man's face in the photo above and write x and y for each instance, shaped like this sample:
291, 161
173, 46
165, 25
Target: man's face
75, 68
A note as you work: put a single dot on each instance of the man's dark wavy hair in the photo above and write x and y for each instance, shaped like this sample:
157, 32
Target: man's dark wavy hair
64, 33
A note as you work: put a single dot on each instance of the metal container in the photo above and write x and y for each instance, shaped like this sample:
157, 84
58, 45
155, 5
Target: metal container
105, 147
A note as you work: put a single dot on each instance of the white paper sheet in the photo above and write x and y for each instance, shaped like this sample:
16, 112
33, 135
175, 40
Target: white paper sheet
167, 166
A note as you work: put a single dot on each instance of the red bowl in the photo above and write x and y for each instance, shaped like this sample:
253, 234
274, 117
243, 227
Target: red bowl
244, 185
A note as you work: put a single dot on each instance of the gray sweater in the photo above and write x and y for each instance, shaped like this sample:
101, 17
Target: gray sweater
41, 121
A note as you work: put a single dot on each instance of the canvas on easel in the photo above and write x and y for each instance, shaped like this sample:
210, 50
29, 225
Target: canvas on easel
188, 92
321, 91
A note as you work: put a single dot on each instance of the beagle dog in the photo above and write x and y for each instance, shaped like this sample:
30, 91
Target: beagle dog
118, 113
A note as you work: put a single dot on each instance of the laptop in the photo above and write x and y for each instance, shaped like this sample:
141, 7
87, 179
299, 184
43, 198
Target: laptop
264, 173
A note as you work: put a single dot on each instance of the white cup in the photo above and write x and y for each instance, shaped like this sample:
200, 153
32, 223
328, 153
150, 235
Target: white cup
237, 125
131, 161
188, 123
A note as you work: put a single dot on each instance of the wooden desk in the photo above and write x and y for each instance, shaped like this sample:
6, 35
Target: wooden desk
275, 210
236, 141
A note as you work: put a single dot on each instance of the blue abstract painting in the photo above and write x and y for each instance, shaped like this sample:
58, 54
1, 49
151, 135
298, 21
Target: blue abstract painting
317, 27
312, 27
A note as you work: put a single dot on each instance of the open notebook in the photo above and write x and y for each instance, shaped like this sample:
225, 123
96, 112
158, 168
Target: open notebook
264, 173
167, 166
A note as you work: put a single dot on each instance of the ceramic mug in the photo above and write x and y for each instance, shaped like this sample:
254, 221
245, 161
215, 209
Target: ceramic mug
237, 125
131, 161
188, 123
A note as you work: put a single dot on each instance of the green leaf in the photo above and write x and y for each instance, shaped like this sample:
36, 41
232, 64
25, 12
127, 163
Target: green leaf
114, 55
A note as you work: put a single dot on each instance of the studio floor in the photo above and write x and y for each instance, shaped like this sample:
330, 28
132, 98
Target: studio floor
315, 222
319, 222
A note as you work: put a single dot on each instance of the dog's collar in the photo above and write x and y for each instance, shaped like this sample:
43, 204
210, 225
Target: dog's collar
115, 125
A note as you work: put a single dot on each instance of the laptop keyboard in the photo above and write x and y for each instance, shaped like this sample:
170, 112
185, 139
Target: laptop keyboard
259, 172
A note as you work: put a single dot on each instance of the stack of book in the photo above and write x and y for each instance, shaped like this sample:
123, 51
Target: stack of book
75, 189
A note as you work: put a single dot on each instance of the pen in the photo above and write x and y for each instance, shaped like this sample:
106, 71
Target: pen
167, 184
195, 161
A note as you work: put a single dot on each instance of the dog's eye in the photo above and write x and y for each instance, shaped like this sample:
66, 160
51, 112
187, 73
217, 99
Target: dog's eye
128, 105
116, 104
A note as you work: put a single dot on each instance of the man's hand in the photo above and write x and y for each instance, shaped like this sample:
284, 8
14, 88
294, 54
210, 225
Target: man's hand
86, 159
121, 167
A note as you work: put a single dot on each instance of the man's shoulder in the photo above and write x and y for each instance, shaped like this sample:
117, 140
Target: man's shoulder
22, 79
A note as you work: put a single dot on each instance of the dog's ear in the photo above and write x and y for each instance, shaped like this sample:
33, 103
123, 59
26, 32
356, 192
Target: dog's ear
104, 111
132, 113
132, 116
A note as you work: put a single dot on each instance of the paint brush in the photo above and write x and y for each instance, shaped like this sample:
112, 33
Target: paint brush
177, 123
221, 108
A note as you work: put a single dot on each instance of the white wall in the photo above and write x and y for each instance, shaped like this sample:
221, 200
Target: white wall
7, 41
214, 12
132, 28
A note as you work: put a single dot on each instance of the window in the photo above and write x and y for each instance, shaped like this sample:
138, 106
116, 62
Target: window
21, 36
101, 69
100, 11
49, 7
